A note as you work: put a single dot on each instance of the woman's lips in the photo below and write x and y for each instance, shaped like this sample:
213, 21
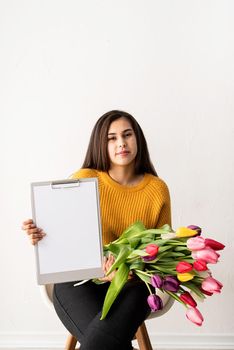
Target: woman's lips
122, 153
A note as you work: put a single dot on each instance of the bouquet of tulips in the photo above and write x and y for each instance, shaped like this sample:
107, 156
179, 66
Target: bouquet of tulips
175, 262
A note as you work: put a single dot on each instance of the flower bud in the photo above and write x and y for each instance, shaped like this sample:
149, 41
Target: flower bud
196, 243
214, 244
155, 302
171, 284
194, 315
156, 281
211, 285
183, 266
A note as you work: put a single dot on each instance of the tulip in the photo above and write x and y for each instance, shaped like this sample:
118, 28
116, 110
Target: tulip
194, 315
171, 284
152, 250
184, 277
200, 265
155, 302
207, 254
195, 228
214, 244
187, 298
183, 266
196, 243
185, 232
211, 285
156, 281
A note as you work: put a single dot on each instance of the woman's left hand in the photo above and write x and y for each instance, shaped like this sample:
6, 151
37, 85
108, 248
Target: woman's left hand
107, 263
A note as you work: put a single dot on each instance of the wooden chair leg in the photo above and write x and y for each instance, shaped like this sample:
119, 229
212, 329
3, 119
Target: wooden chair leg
143, 338
71, 342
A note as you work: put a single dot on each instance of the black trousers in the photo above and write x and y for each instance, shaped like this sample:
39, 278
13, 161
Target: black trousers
79, 308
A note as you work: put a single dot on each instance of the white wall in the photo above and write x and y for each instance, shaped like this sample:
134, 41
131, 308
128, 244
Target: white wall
62, 65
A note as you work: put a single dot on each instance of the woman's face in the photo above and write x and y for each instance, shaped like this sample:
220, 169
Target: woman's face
122, 144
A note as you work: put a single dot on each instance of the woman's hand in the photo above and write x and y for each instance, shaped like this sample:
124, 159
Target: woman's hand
35, 234
107, 263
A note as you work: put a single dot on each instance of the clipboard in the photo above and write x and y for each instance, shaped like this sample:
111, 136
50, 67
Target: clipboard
69, 213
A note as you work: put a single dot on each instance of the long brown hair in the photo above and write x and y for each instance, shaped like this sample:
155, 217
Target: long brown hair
97, 153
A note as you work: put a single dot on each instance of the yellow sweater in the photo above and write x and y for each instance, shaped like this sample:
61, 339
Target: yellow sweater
121, 205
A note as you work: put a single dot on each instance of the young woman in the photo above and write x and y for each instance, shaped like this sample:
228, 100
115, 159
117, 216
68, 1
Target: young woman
130, 190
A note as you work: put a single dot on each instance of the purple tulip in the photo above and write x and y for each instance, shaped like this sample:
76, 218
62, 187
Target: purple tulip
155, 302
149, 258
156, 281
171, 284
195, 228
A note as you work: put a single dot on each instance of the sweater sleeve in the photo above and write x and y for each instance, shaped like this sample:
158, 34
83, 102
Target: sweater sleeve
165, 213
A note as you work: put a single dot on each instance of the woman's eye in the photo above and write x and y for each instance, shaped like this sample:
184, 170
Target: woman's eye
111, 138
128, 134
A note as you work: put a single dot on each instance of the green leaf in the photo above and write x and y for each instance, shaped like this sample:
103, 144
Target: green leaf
143, 276
137, 252
115, 287
163, 249
123, 254
137, 264
133, 229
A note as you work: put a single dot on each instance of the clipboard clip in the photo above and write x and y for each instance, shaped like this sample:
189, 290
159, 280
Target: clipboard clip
56, 185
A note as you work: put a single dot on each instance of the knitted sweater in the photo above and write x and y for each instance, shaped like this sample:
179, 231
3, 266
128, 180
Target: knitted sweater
122, 205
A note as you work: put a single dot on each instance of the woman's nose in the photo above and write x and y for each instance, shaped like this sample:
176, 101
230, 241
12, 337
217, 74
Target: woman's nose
122, 143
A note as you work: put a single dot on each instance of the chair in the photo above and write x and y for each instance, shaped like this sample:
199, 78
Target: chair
141, 336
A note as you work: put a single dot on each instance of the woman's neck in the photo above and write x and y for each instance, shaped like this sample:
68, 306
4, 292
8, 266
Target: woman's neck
124, 176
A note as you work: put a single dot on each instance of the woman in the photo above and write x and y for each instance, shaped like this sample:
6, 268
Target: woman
130, 190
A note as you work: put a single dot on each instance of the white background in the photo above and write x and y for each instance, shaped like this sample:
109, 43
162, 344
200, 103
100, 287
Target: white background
65, 63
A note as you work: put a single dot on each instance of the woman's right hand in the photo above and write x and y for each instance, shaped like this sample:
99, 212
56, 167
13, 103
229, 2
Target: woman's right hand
35, 234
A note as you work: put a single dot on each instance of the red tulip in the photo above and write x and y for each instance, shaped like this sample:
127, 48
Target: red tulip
200, 265
194, 315
183, 266
196, 243
211, 285
207, 254
214, 244
187, 298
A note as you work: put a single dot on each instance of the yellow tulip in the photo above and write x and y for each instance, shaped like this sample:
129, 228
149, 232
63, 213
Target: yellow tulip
184, 277
185, 232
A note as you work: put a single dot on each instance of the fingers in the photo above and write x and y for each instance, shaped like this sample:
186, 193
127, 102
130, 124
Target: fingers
35, 233
107, 263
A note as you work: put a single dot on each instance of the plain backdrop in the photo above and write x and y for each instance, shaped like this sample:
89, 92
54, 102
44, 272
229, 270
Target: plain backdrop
65, 63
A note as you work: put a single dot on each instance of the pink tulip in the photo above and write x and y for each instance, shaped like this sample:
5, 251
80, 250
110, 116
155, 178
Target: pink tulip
206, 254
183, 266
194, 315
196, 243
214, 244
211, 285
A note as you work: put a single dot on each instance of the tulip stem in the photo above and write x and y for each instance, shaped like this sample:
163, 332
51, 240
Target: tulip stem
147, 285
144, 273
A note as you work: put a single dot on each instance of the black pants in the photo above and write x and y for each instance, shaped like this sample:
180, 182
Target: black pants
79, 308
